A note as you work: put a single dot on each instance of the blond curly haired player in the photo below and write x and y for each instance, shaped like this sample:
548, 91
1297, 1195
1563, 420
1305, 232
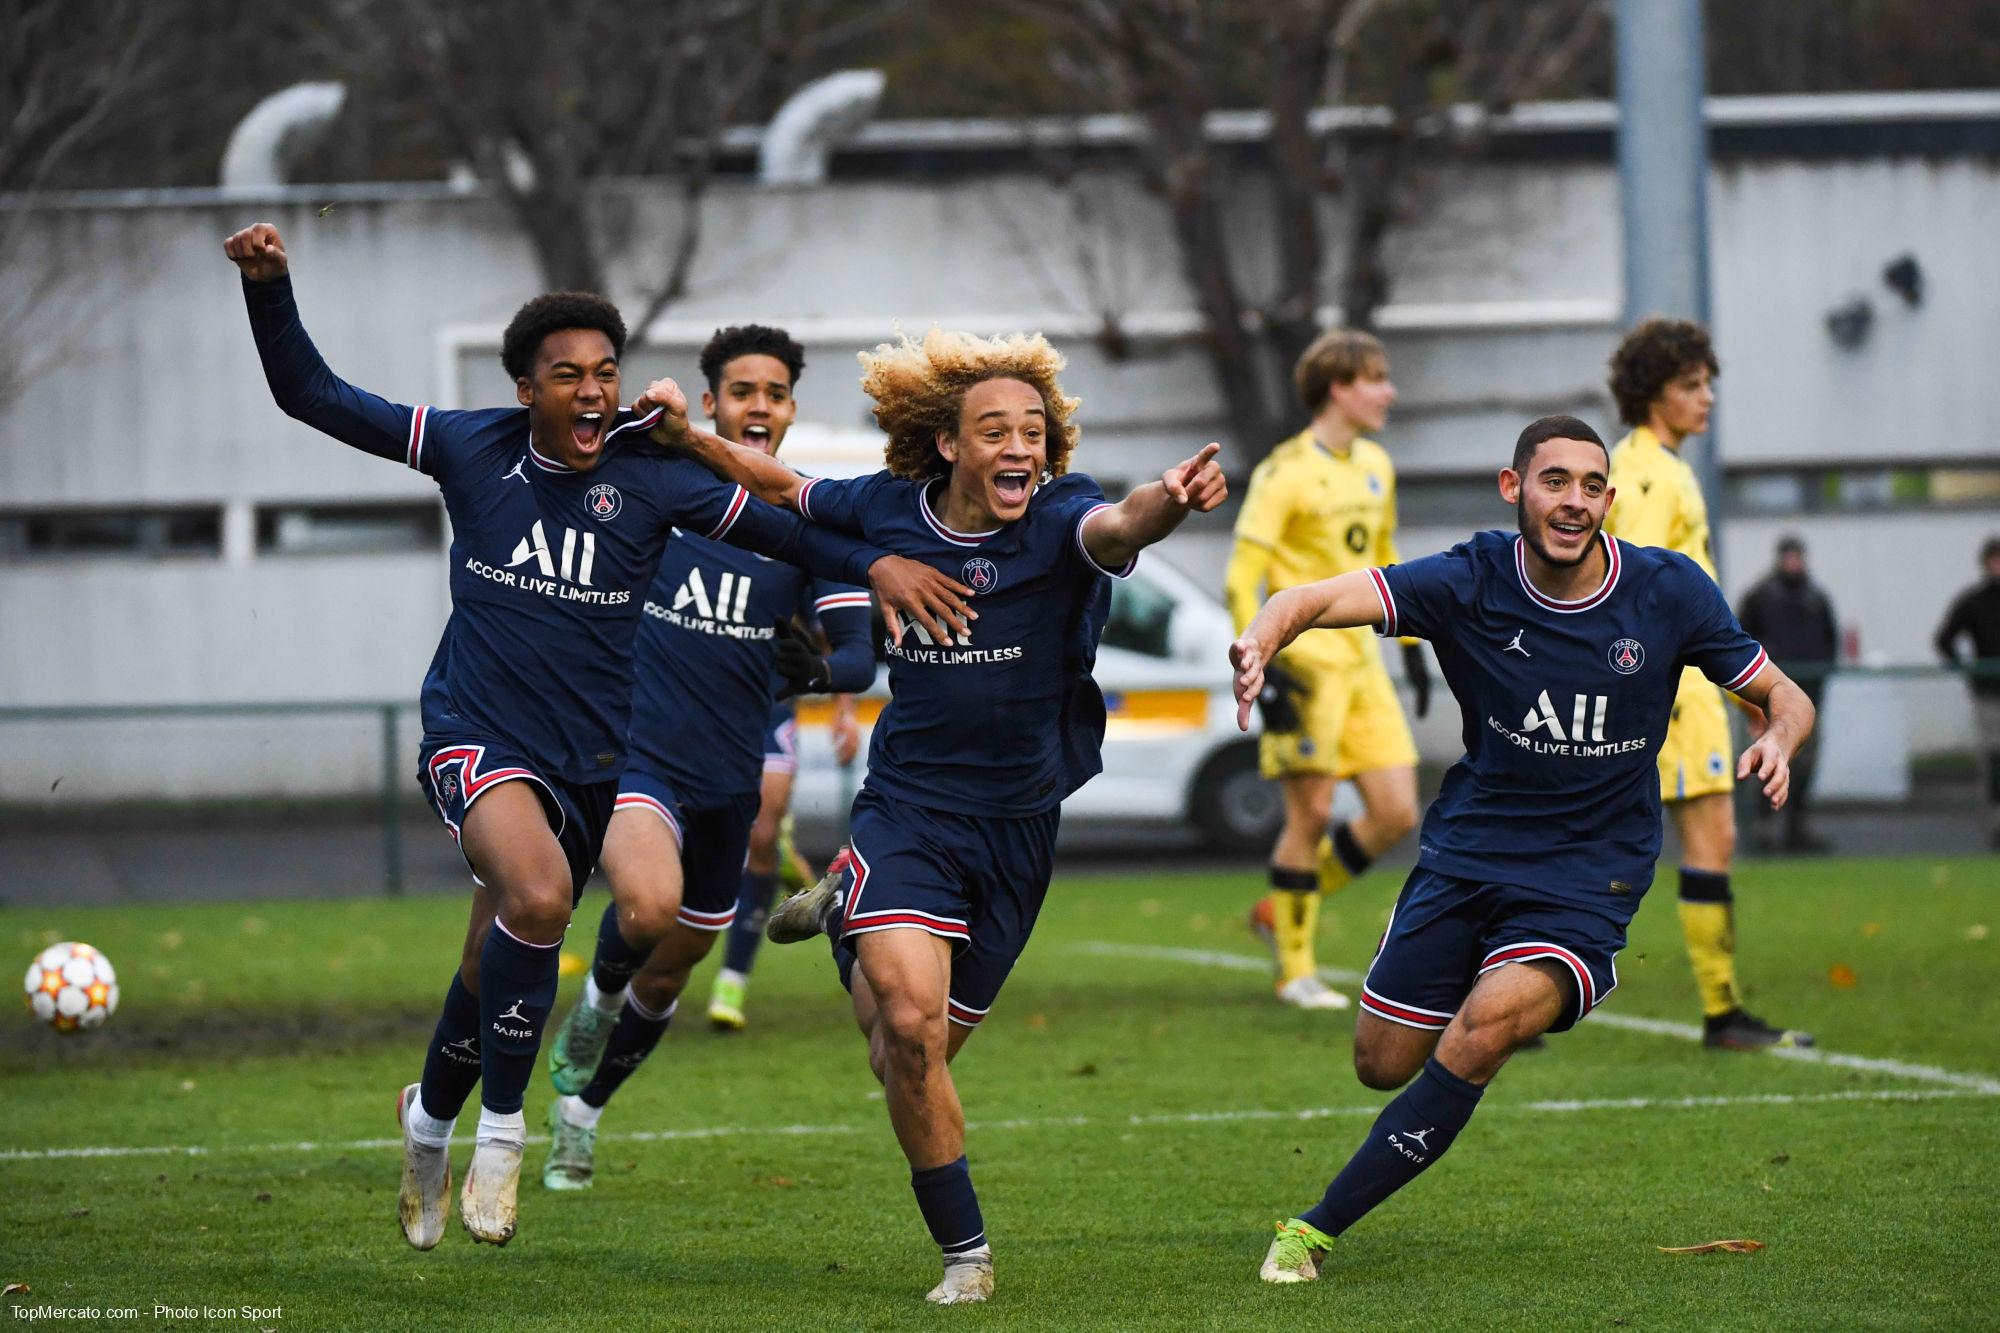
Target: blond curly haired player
953, 833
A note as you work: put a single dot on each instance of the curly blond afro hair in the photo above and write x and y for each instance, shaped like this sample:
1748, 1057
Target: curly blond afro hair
918, 388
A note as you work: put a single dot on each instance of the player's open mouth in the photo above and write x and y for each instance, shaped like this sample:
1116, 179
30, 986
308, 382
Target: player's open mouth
1011, 487
587, 429
1569, 534
758, 437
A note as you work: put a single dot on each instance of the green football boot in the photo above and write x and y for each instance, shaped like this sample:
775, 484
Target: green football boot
578, 1046
725, 1002
572, 1153
794, 871
1295, 1255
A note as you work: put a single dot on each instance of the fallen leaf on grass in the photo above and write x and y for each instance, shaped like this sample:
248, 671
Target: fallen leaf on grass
1714, 1247
263, 1196
571, 965
783, 1182
1781, 1159
1841, 976
1871, 929
15, 1289
1976, 932
1038, 1022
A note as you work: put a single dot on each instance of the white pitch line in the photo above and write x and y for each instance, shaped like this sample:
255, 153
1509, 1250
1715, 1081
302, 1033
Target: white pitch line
1950, 1084
1149, 1121
1982, 1085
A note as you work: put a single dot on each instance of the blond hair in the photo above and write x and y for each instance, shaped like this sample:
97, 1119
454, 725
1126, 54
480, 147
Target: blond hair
919, 387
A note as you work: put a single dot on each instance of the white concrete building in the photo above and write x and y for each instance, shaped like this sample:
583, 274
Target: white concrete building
167, 536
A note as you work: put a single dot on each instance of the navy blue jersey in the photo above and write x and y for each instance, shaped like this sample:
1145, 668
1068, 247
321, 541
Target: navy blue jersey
1010, 722
706, 654
1565, 705
548, 565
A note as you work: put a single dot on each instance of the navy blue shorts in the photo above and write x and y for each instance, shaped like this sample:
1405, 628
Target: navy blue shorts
1446, 932
781, 747
714, 836
975, 880
457, 772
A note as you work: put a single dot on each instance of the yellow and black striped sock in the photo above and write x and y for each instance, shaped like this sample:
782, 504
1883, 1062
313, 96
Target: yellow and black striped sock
1294, 920
1341, 859
1708, 920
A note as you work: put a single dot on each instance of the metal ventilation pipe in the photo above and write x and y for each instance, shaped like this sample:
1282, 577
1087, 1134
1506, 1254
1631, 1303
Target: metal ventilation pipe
252, 159
813, 122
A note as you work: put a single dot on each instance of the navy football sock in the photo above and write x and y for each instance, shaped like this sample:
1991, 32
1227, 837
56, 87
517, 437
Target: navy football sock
451, 1066
639, 1030
753, 905
616, 958
517, 988
950, 1208
1412, 1132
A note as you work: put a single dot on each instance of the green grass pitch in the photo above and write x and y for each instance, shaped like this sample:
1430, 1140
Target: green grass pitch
1141, 1112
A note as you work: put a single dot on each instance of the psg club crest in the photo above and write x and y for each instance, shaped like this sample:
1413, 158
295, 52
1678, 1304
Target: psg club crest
604, 502
980, 574
450, 787
1374, 484
1627, 656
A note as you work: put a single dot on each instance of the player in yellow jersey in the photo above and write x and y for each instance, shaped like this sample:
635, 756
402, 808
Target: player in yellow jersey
1663, 376
1323, 503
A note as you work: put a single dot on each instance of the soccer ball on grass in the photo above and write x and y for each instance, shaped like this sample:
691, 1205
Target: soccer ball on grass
71, 987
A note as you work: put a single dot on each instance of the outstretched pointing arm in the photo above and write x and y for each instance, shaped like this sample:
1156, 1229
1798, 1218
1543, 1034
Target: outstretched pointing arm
1115, 534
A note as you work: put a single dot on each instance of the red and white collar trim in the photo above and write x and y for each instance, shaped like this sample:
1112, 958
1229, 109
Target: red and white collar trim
1613, 563
952, 535
543, 461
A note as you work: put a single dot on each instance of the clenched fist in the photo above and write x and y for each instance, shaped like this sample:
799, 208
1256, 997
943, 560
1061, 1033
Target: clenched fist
259, 251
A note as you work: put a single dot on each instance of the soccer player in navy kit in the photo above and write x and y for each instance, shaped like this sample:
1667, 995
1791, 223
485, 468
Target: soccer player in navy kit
953, 833
711, 654
560, 511
1564, 648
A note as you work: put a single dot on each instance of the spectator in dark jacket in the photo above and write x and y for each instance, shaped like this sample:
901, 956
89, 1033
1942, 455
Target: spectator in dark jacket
1976, 615
1793, 618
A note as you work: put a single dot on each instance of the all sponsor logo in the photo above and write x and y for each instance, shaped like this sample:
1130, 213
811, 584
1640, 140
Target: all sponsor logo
980, 574
1627, 656
535, 546
1543, 717
729, 601
603, 502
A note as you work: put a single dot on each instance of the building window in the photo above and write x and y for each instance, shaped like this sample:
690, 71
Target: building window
149, 532
348, 529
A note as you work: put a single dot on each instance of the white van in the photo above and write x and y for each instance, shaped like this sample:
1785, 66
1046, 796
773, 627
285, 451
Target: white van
1172, 752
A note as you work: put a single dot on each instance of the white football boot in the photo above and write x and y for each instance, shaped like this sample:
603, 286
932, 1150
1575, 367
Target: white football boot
487, 1205
967, 1278
1309, 992
424, 1201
